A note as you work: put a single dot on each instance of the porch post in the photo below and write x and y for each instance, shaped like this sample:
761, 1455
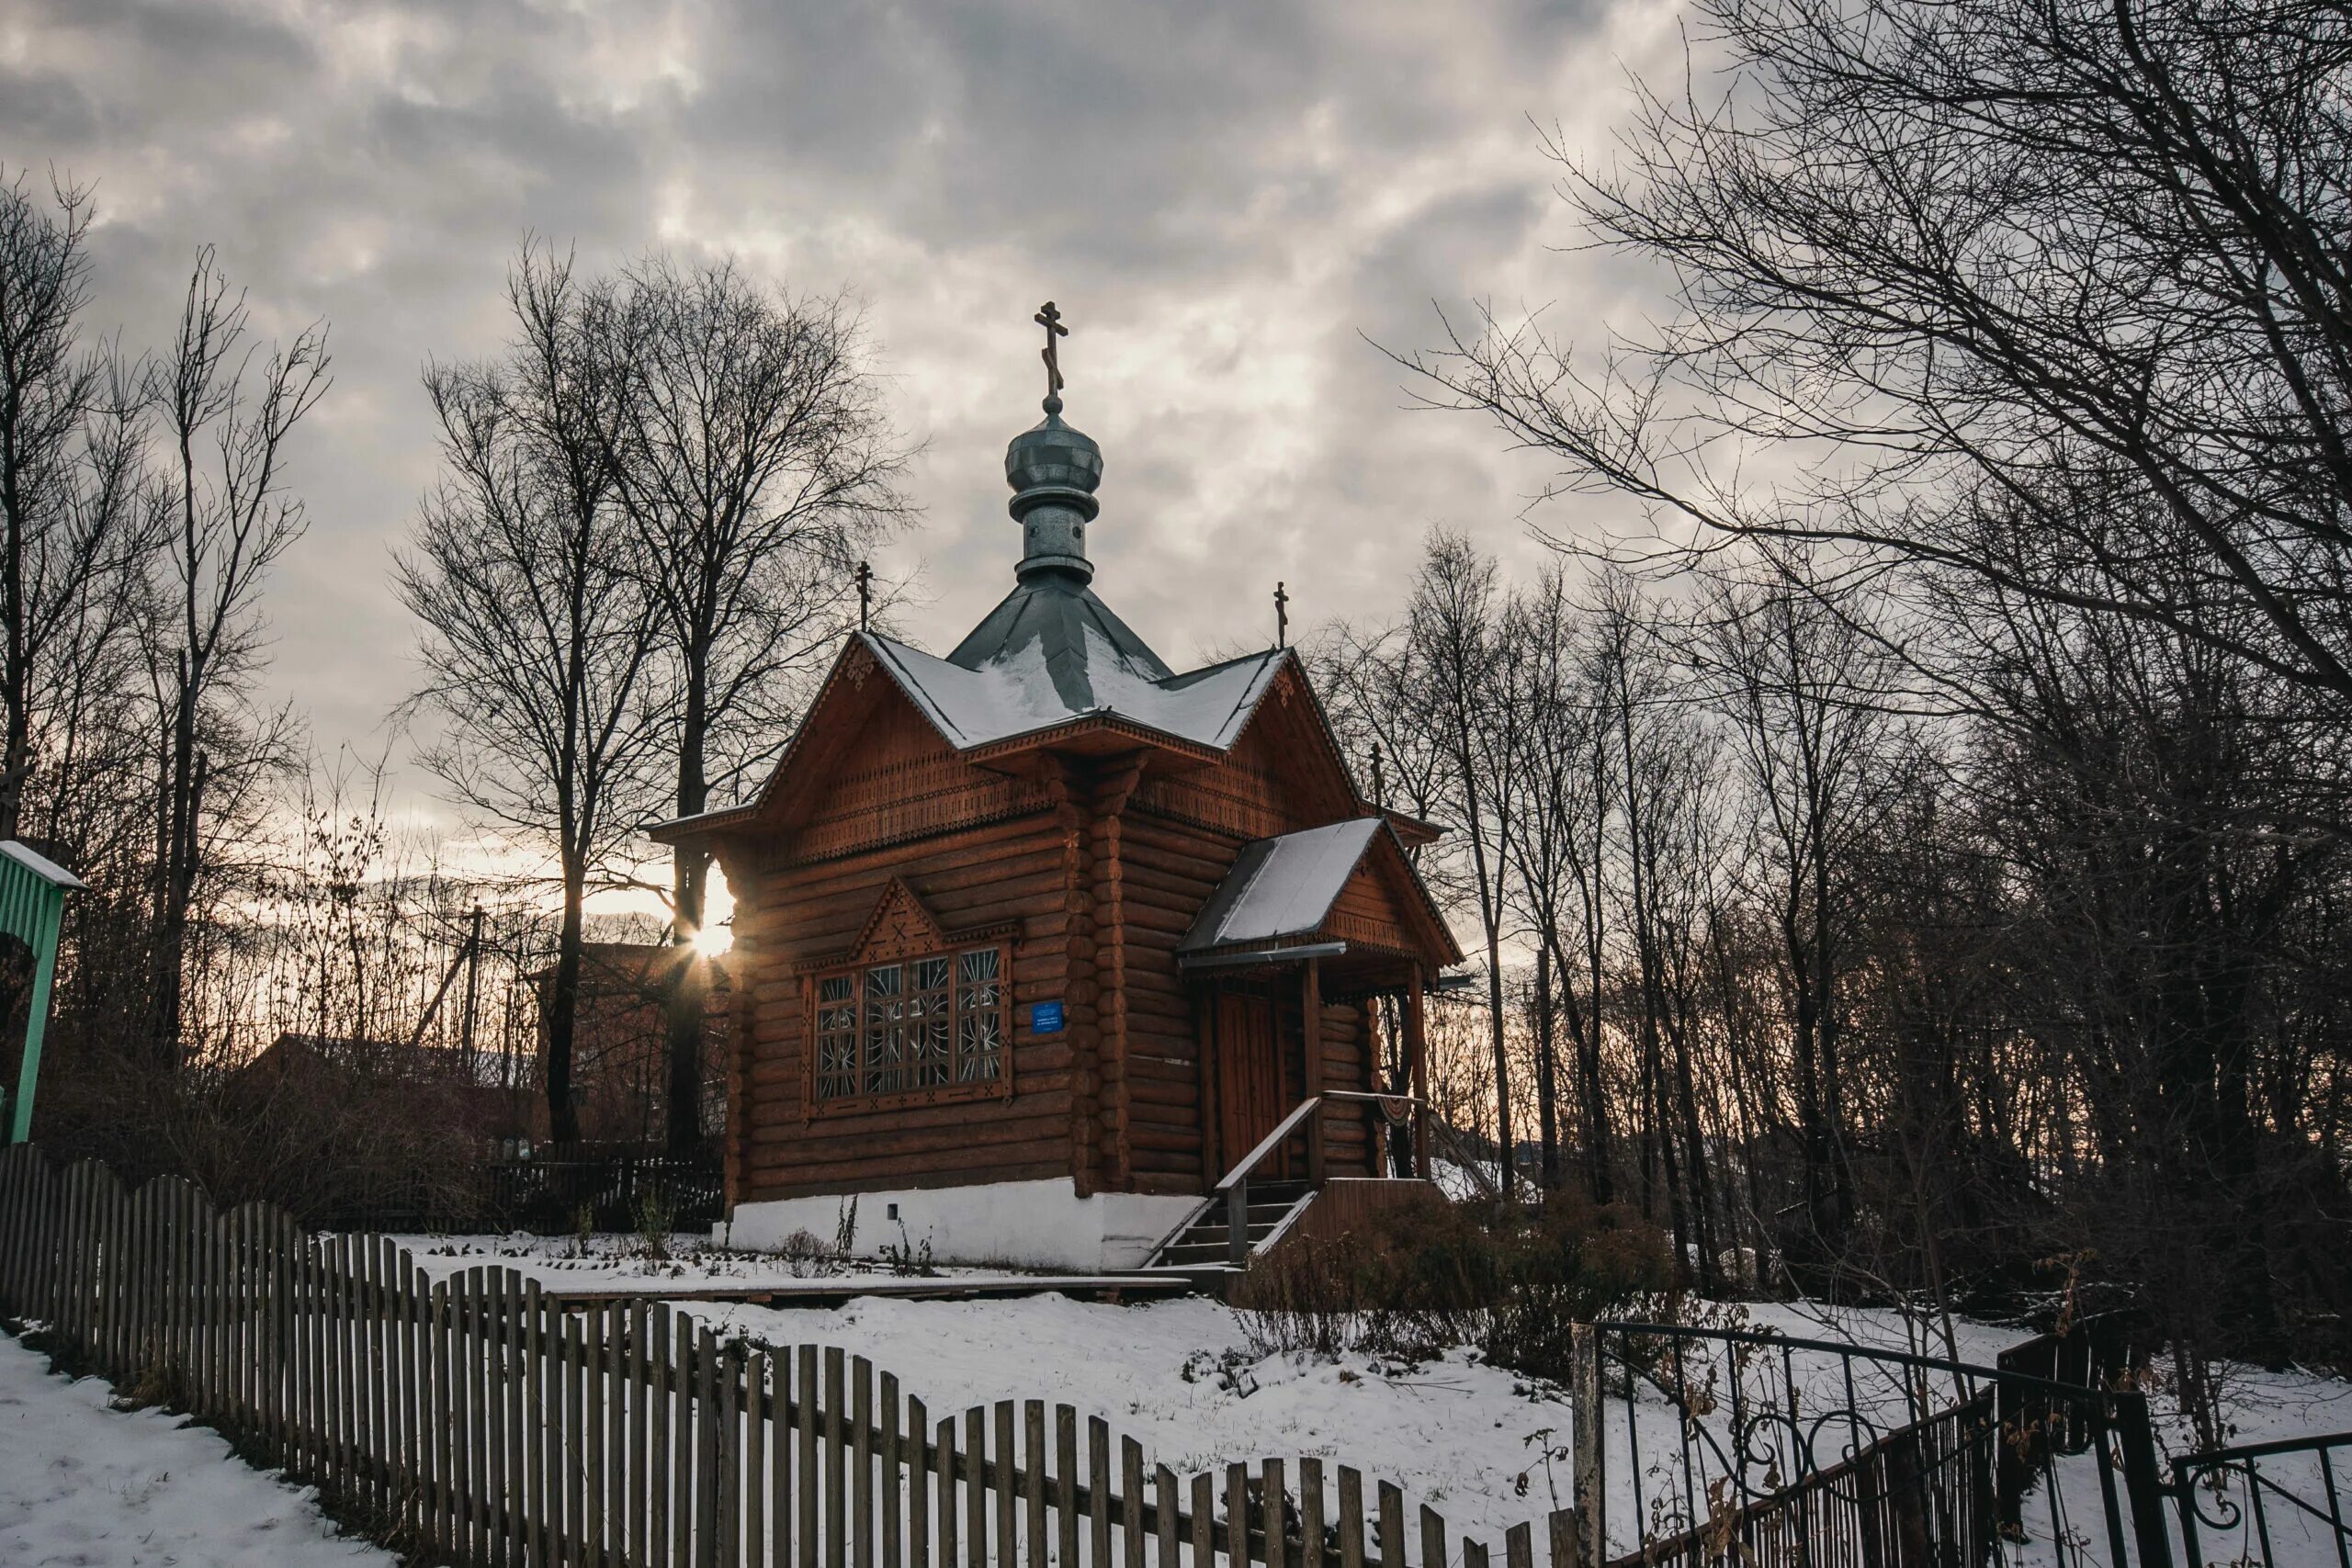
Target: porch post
1311, 1017
1417, 1054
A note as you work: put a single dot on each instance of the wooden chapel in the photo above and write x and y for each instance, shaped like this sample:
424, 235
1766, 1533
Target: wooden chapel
1042, 946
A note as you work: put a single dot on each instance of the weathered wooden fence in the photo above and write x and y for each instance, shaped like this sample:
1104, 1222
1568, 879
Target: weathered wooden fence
471, 1421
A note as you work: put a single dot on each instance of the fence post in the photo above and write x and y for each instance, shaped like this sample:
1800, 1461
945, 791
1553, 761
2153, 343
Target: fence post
2142, 1481
1392, 1528
1587, 1487
2182, 1481
1352, 1519
1165, 1487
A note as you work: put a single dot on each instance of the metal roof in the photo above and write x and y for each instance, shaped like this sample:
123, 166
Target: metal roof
1037, 683
1281, 887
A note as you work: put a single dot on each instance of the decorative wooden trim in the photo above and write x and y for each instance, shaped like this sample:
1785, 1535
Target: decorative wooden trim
1196, 802
1106, 723
1110, 1057
899, 915
814, 1106
900, 925
905, 802
902, 929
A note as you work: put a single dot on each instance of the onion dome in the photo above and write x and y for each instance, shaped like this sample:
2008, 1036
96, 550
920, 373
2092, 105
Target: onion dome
1053, 470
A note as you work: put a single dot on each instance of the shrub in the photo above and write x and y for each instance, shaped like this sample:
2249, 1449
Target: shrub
1433, 1275
803, 1254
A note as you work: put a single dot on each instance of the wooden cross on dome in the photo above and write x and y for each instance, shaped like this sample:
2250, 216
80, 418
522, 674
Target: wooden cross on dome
1050, 319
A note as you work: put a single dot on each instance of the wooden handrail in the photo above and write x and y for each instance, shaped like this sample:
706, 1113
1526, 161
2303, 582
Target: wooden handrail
1235, 1187
1269, 1142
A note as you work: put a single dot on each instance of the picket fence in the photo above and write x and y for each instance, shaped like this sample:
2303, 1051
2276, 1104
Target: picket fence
472, 1420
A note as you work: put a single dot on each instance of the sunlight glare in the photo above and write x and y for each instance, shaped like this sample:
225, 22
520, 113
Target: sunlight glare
718, 932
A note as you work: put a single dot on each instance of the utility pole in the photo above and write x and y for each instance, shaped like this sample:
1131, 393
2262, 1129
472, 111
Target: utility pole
473, 990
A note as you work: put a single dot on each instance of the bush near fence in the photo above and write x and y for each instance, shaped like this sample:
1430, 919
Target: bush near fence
1429, 1276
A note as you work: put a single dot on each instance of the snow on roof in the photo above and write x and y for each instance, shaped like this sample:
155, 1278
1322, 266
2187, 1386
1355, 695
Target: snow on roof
1018, 694
1283, 886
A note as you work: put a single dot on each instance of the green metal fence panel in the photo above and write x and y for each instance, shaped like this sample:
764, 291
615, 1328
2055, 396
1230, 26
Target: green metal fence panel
32, 906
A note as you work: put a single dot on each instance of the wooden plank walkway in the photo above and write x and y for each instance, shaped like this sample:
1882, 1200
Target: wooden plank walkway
1114, 1288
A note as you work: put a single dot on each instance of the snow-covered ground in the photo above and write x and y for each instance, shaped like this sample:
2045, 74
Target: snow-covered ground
85, 1485
1471, 1440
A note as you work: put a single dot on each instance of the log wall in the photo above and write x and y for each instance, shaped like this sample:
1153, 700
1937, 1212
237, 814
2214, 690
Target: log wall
804, 894
1100, 867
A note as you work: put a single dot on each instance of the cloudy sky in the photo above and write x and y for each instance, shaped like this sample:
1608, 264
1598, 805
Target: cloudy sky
1231, 202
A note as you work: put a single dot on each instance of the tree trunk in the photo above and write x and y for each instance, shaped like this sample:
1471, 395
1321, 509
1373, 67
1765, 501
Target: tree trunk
563, 1008
1546, 1069
175, 879
686, 999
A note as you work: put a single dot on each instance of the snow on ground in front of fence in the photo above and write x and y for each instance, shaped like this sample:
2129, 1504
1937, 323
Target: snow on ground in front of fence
83, 1483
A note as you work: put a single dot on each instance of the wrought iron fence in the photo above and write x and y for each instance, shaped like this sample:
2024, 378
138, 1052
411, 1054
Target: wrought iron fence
555, 1187
2283, 1502
1750, 1447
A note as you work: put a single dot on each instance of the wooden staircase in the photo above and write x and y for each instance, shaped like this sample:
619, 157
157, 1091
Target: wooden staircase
1203, 1245
1206, 1249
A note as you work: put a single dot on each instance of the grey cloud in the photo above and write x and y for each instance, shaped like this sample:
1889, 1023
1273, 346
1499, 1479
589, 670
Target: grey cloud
1228, 197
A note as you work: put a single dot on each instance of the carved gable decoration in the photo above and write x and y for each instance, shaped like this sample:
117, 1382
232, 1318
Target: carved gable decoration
900, 927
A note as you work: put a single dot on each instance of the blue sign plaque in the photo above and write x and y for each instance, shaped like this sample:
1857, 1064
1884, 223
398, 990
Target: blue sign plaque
1045, 1017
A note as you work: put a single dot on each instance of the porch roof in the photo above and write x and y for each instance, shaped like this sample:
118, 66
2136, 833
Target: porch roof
1282, 887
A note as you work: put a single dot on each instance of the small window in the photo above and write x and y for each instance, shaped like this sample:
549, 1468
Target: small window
923, 1024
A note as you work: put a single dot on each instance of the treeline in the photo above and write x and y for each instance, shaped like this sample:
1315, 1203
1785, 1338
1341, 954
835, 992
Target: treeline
645, 541
239, 887
1929, 853
651, 510
1873, 997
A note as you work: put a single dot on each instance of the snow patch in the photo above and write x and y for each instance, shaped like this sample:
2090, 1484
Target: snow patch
82, 1483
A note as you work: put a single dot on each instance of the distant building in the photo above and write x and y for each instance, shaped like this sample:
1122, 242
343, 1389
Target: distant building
621, 1075
434, 1085
1037, 941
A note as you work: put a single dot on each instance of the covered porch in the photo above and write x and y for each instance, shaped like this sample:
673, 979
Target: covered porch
1309, 971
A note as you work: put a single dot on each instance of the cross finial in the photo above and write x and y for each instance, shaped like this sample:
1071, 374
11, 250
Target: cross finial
1379, 778
1050, 318
864, 592
1281, 617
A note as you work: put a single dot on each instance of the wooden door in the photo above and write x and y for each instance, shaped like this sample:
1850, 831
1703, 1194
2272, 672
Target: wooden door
1249, 1089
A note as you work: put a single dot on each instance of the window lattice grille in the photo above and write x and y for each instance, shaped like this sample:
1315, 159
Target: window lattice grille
932, 1022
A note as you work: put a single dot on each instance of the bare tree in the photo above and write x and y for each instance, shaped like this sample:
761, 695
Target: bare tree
539, 631
1456, 654
1945, 268
756, 460
1557, 859
70, 519
225, 412
1798, 682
